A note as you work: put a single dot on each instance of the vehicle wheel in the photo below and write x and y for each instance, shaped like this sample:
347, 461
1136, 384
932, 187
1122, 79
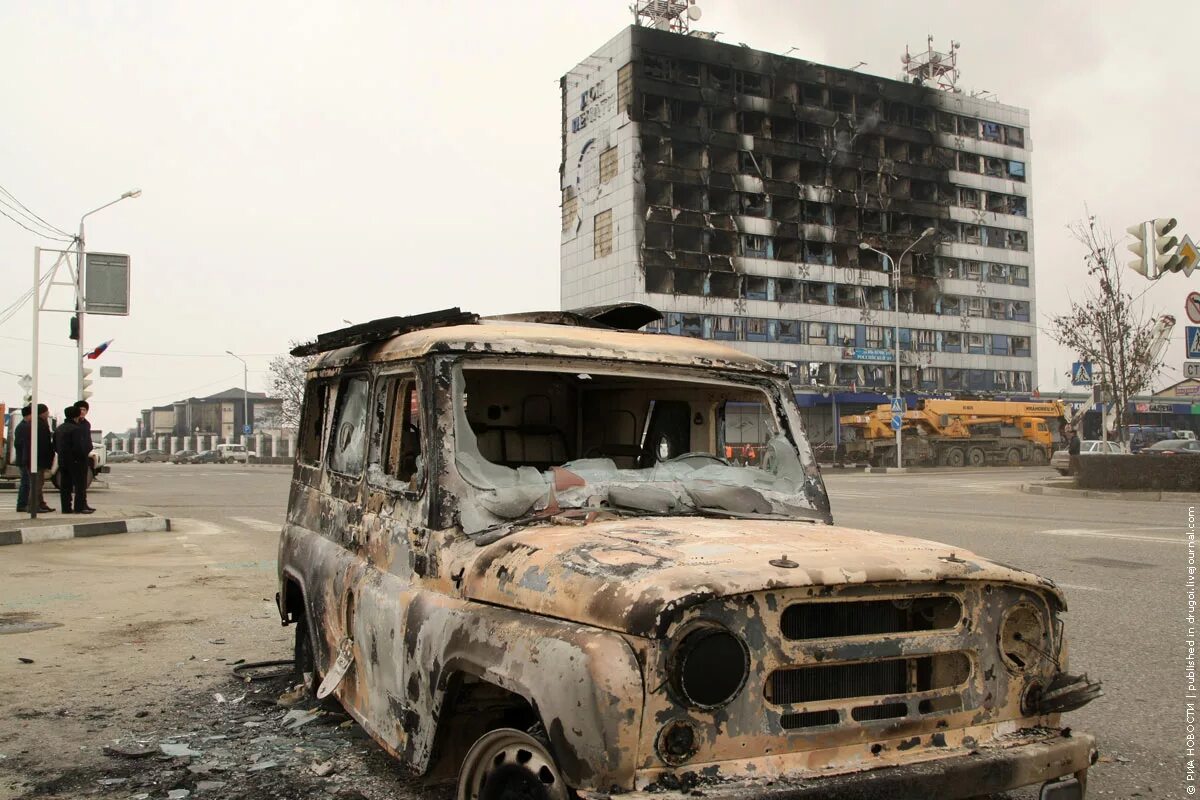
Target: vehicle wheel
508, 764
1013, 457
976, 457
1064, 472
955, 457
1039, 456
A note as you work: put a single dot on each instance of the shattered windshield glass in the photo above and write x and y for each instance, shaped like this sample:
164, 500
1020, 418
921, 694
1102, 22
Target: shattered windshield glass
535, 444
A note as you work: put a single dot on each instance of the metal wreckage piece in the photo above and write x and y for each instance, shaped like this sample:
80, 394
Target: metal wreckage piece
632, 640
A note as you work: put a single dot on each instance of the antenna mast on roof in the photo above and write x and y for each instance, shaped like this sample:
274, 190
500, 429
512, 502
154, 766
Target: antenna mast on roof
932, 67
665, 15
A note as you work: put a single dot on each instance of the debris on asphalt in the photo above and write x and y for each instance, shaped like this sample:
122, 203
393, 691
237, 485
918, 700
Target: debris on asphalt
178, 750
24, 660
133, 750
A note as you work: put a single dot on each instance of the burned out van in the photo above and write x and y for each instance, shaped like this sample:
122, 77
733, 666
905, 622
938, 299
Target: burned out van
520, 554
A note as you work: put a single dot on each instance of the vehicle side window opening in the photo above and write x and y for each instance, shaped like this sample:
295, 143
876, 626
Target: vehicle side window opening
348, 442
400, 451
312, 426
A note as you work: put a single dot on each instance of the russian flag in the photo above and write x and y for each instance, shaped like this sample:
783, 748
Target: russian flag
99, 349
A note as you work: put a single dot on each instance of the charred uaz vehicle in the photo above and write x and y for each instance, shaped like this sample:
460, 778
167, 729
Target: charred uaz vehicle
518, 555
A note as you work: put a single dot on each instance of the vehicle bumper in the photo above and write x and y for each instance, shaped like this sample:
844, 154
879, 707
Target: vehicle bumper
1022, 759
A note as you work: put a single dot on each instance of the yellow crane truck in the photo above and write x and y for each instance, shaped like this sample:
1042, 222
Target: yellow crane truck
957, 433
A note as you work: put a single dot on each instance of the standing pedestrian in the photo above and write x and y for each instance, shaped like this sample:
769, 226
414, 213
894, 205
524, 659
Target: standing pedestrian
1073, 451
72, 463
86, 425
21, 444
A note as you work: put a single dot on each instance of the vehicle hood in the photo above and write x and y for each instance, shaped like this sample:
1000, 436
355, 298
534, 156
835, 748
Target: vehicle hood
637, 575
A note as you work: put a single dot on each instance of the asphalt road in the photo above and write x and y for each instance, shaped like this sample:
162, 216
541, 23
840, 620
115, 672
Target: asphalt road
1121, 563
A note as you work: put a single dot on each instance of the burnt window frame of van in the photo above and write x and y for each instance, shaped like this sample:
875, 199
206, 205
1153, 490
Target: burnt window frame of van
316, 457
330, 437
382, 428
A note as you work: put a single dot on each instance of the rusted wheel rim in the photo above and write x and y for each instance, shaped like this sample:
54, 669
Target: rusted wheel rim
508, 764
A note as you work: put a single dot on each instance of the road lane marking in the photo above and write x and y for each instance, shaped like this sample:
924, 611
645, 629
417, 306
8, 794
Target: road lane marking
258, 524
1077, 588
1089, 532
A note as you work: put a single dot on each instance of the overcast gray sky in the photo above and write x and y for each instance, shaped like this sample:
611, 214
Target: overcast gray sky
357, 159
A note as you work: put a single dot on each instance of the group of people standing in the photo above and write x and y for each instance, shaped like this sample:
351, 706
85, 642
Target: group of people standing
71, 442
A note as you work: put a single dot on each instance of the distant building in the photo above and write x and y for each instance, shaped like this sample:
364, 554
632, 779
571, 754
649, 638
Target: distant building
222, 414
731, 188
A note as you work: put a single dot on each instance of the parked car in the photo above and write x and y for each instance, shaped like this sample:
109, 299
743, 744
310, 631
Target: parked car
119, 457
1061, 460
1171, 447
153, 454
1191, 435
514, 551
206, 457
182, 456
233, 453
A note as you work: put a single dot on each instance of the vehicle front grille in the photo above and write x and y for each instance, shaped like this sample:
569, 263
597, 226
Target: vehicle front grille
869, 617
800, 685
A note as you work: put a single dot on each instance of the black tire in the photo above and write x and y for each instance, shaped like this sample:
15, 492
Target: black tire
976, 457
1012, 457
1038, 457
954, 457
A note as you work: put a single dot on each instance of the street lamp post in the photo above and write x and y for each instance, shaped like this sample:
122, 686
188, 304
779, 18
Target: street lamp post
245, 389
80, 300
894, 265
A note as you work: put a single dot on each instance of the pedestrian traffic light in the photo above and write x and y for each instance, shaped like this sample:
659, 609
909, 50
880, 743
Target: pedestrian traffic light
85, 392
75, 327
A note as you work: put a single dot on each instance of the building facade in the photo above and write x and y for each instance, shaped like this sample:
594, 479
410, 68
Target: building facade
731, 188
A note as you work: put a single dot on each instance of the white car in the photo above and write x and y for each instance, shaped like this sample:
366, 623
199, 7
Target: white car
233, 453
1061, 460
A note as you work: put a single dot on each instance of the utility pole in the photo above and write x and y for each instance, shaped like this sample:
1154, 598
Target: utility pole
245, 391
34, 501
81, 287
895, 268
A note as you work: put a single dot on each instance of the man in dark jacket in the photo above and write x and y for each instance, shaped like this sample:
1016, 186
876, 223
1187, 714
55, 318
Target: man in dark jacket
69, 443
1073, 451
21, 444
83, 422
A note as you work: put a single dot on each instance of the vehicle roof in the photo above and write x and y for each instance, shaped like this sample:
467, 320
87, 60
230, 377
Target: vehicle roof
1170, 442
507, 337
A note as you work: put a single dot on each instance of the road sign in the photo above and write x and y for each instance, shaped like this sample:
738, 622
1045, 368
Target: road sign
1191, 369
107, 283
112, 372
1192, 342
246, 429
1189, 258
898, 406
1192, 307
1081, 373
897, 422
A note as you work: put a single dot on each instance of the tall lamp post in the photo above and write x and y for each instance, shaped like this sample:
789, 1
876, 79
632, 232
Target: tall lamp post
893, 265
245, 390
80, 286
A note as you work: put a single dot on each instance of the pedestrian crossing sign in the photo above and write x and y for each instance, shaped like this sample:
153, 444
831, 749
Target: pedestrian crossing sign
1193, 341
1081, 373
898, 405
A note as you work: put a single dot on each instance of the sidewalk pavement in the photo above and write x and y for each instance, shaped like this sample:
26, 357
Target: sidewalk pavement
20, 529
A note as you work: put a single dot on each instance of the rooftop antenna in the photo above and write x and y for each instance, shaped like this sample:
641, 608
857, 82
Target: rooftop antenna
666, 15
933, 68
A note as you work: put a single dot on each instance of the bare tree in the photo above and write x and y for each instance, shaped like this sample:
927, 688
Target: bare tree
1107, 326
287, 383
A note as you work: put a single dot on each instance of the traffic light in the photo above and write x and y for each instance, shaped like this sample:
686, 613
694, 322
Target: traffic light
1153, 248
86, 383
1164, 245
75, 327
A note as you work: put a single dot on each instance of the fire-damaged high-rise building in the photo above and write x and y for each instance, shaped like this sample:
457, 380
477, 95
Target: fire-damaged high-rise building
738, 191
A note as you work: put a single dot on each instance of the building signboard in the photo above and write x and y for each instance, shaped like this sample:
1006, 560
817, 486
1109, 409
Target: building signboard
867, 354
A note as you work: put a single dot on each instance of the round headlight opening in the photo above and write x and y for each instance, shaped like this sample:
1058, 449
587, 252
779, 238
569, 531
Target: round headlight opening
710, 666
1024, 638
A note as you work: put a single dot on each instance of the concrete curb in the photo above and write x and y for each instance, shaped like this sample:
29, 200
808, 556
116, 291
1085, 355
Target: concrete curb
52, 533
1100, 494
